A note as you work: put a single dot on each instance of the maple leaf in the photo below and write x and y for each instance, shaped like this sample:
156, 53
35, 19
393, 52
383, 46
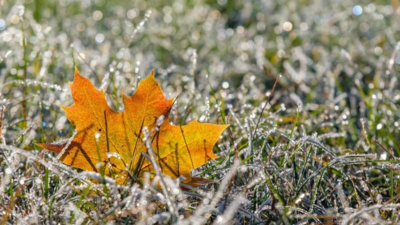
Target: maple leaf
115, 138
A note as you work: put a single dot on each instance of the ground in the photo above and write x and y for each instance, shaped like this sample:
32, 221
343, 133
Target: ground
309, 88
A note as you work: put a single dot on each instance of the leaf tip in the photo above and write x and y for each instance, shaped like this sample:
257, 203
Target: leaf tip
149, 79
39, 144
151, 73
224, 126
76, 73
63, 107
52, 147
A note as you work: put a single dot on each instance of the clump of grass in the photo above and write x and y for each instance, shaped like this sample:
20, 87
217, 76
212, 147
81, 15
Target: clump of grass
321, 148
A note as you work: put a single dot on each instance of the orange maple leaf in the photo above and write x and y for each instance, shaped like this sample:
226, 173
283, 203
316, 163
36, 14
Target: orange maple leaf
178, 149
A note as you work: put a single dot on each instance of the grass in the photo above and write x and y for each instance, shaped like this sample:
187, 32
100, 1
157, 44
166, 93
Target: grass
322, 147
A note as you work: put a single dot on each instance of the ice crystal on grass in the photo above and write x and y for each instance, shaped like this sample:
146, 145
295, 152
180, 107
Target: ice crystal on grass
314, 154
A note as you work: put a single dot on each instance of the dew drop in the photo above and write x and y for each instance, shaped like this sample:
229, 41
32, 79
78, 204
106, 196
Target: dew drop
8, 171
357, 10
225, 85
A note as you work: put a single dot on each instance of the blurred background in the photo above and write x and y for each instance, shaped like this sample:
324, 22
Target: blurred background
335, 59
